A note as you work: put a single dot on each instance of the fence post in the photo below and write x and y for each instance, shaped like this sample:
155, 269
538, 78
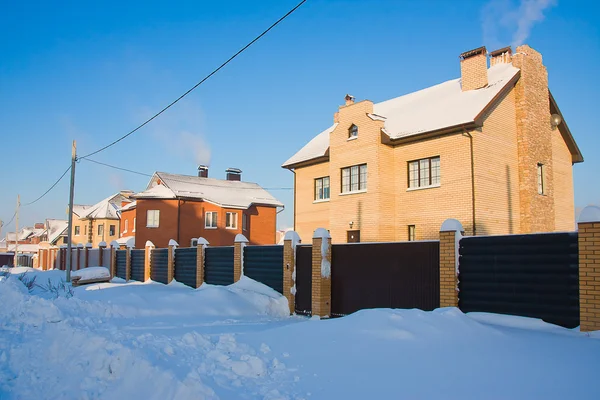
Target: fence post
79, 247
589, 268
114, 246
88, 246
147, 256
63, 257
128, 263
171, 260
450, 234
290, 240
238, 256
200, 256
101, 247
321, 273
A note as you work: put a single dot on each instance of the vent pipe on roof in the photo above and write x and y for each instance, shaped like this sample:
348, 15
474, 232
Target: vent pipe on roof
473, 69
349, 99
202, 171
233, 174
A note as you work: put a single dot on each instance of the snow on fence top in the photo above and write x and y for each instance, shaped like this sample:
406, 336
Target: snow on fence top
114, 243
130, 243
102, 244
202, 241
294, 237
173, 243
149, 244
589, 214
239, 238
89, 245
321, 233
80, 245
451, 225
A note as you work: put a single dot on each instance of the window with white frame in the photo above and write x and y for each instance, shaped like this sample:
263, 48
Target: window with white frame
194, 243
244, 222
231, 220
112, 230
126, 226
100, 229
424, 173
210, 220
352, 131
152, 218
541, 179
322, 188
77, 230
354, 178
411, 233
133, 230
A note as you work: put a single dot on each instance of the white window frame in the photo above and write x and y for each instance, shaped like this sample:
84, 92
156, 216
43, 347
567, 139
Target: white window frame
208, 222
424, 173
126, 226
100, 230
193, 242
114, 230
228, 219
152, 218
77, 230
322, 189
412, 233
354, 179
133, 230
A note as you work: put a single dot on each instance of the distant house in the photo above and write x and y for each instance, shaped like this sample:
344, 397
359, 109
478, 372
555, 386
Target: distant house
99, 222
490, 149
183, 208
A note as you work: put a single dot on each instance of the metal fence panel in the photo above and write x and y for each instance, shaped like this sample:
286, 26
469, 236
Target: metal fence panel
159, 264
185, 266
137, 264
265, 265
384, 275
303, 281
218, 265
121, 263
528, 275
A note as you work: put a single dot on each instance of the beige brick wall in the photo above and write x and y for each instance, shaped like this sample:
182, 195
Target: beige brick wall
497, 170
321, 286
589, 276
448, 279
564, 198
310, 215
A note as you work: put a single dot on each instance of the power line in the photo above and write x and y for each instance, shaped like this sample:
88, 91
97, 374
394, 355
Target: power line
177, 180
11, 220
197, 84
51, 187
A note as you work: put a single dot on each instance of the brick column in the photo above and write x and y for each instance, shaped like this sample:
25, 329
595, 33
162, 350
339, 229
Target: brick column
79, 247
88, 246
238, 256
63, 258
171, 260
147, 256
114, 246
589, 269
128, 264
321, 273
450, 233
200, 256
101, 247
290, 241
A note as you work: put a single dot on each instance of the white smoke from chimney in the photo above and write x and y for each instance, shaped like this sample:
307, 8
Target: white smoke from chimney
505, 20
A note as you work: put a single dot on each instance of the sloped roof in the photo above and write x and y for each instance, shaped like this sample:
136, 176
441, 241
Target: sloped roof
105, 209
80, 209
56, 228
236, 194
25, 233
431, 109
129, 206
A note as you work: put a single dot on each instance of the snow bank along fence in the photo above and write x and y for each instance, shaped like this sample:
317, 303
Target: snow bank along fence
551, 276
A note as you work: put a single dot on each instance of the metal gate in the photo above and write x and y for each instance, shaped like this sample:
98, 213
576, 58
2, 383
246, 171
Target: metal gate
528, 275
265, 265
385, 275
159, 264
121, 263
218, 265
137, 264
185, 266
303, 280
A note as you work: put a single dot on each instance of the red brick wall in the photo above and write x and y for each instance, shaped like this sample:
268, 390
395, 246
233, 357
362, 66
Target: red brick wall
167, 228
262, 225
129, 216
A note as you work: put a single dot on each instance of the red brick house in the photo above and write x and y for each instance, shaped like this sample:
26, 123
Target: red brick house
183, 208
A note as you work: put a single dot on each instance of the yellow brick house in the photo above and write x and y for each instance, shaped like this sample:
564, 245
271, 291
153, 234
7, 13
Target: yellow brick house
490, 149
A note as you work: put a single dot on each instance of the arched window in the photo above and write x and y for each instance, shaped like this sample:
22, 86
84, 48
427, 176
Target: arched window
353, 131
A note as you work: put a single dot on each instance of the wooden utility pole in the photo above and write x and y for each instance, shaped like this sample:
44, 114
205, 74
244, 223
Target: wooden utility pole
16, 264
70, 218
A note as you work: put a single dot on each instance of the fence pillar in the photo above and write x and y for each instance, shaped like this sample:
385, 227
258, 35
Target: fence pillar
450, 234
79, 247
88, 246
321, 273
63, 257
114, 246
200, 256
589, 269
171, 260
238, 256
290, 240
147, 256
128, 263
101, 247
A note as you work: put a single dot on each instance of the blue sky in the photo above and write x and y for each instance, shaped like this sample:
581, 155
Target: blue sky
92, 72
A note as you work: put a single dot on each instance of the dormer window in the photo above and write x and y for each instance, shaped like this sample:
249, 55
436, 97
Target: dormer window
352, 131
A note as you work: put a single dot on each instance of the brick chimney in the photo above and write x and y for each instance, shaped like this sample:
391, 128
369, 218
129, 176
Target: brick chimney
234, 174
39, 225
349, 99
473, 69
202, 171
501, 56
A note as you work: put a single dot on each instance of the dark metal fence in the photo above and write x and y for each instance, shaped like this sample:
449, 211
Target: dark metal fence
384, 275
528, 275
137, 264
265, 264
218, 265
159, 263
303, 280
121, 263
185, 266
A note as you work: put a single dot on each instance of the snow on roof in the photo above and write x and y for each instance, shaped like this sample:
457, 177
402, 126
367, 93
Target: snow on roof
129, 206
24, 248
79, 209
25, 233
236, 194
317, 147
56, 228
105, 209
431, 109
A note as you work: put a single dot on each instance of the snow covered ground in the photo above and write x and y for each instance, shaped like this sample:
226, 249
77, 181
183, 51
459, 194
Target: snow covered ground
152, 341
